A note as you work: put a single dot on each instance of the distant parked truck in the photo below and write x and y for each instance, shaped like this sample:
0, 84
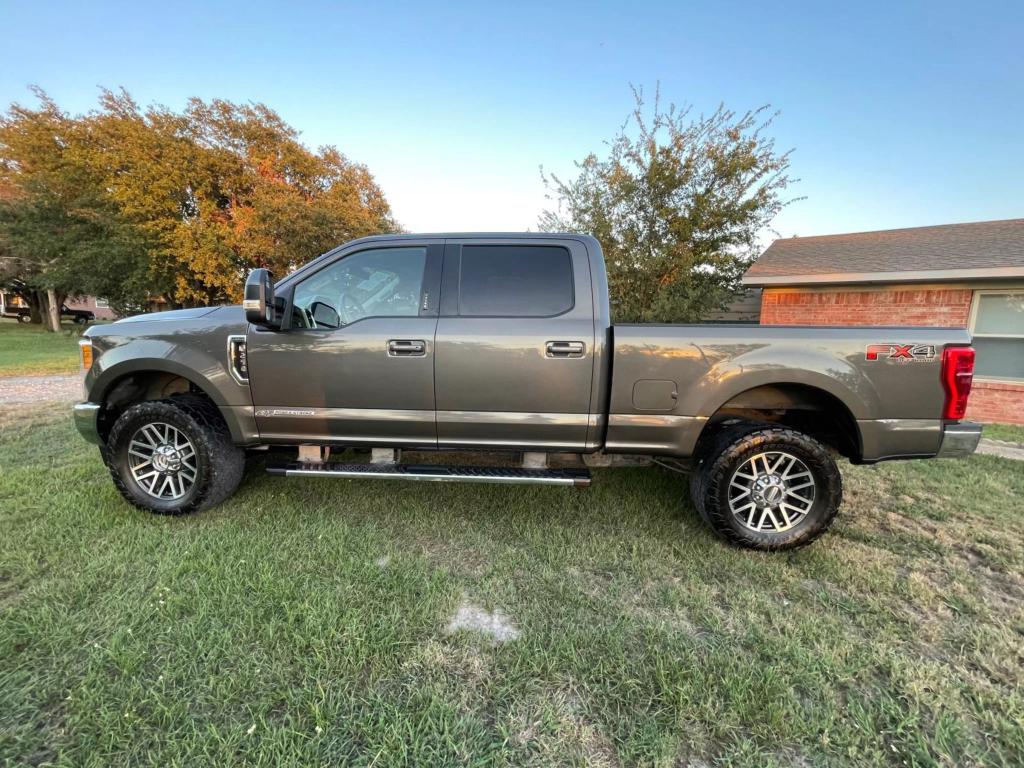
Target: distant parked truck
504, 342
77, 316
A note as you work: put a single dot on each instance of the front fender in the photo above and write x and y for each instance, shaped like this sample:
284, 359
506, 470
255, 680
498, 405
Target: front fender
202, 361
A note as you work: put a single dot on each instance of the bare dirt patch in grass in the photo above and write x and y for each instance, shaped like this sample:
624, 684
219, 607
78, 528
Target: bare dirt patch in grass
494, 624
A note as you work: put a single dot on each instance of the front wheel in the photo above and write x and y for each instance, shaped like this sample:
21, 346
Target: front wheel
24, 318
173, 456
767, 487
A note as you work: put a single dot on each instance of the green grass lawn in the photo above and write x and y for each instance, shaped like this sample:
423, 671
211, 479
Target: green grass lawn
29, 349
1010, 432
305, 622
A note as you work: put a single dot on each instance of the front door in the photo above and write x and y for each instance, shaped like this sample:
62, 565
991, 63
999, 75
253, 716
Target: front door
514, 363
355, 362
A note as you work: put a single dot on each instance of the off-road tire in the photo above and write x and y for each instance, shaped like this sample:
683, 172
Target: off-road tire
219, 463
25, 318
730, 448
710, 447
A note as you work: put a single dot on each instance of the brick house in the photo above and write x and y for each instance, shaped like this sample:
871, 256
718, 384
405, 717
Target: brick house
962, 275
98, 307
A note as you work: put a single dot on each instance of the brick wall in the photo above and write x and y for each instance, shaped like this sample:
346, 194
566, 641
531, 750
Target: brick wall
896, 305
996, 401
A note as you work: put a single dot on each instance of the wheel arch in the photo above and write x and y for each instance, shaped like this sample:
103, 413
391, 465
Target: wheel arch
122, 386
151, 368
804, 407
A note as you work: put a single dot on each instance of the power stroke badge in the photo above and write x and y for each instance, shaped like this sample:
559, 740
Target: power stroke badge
901, 353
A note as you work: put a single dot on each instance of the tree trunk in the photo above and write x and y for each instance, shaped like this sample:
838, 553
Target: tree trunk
36, 305
52, 311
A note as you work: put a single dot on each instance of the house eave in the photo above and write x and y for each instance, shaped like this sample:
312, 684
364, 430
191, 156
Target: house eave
868, 278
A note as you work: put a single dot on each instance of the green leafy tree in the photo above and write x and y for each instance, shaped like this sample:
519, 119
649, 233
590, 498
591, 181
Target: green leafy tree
58, 247
59, 233
677, 204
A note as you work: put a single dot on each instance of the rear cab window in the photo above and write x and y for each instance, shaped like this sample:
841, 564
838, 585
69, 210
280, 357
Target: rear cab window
515, 281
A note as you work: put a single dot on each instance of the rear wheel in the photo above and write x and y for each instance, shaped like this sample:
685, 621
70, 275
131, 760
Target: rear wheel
766, 487
173, 456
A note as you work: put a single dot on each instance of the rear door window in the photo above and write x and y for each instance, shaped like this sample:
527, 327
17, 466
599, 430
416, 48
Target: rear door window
515, 281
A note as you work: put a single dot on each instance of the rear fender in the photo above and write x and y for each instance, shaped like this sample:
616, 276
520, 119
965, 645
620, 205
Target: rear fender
730, 378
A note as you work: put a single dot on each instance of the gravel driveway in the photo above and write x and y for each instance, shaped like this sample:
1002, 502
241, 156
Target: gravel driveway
40, 389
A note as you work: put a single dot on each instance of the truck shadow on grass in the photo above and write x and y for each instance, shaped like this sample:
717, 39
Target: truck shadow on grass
622, 506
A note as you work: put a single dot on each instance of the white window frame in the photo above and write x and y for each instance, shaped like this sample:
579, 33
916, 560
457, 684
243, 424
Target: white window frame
101, 303
975, 305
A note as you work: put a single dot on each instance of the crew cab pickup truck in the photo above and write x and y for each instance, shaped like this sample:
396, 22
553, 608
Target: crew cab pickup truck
502, 342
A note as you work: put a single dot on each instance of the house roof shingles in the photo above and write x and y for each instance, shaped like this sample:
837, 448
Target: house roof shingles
987, 249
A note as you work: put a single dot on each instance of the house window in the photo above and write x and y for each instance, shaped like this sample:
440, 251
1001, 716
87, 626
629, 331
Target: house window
998, 329
102, 303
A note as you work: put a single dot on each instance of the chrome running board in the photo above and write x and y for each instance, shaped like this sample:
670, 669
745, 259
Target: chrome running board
435, 473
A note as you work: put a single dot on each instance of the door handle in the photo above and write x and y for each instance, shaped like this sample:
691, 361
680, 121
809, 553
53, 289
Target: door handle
565, 348
407, 348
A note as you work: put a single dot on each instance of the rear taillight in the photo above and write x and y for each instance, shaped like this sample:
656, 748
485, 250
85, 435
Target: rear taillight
957, 375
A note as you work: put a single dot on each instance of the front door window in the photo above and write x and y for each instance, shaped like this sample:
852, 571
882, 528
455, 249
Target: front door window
384, 282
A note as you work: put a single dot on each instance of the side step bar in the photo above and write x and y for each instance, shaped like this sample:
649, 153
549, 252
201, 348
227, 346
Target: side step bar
435, 473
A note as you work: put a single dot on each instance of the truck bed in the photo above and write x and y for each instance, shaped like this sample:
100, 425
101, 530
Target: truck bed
669, 380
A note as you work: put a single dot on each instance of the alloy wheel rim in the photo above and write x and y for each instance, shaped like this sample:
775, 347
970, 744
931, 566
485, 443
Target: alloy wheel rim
771, 492
162, 461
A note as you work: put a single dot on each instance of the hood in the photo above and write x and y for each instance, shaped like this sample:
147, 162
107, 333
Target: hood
172, 314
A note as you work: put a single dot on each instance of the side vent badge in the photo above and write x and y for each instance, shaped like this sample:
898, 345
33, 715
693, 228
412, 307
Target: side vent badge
238, 359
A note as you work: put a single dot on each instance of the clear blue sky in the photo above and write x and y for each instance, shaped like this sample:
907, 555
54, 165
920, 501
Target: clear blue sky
900, 114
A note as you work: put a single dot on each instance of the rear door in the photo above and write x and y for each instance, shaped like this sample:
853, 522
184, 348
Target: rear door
514, 357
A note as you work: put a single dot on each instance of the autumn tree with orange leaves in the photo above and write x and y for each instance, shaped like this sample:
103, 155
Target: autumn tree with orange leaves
172, 204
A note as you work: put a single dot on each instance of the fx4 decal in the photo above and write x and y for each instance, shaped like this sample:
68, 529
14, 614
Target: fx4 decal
901, 353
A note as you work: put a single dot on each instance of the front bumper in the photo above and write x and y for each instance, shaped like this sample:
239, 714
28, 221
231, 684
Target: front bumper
959, 440
87, 421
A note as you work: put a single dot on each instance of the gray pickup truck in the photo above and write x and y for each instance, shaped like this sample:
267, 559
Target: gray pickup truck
504, 342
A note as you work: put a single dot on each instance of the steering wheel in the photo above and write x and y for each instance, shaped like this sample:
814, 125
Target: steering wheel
350, 309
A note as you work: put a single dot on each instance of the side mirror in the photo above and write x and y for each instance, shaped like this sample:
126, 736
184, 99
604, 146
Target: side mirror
258, 301
324, 315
